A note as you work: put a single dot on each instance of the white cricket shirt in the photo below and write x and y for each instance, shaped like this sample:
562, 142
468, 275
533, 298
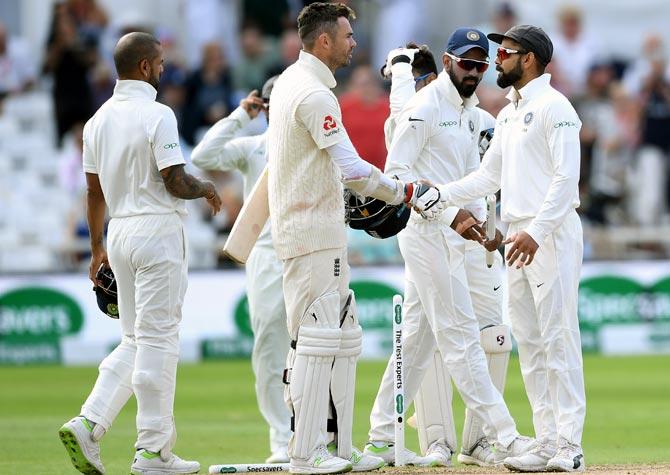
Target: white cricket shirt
304, 185
533, 159
218, 150
126, 143
436, 137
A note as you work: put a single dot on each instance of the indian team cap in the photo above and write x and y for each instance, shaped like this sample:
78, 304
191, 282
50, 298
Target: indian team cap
531, 38
464, 39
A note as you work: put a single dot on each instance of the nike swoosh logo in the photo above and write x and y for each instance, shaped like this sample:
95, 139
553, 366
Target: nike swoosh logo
412, 119
540, 285
496, 288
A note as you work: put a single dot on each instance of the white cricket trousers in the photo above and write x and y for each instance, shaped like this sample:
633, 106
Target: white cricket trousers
543, 314
271, 340
438, 314
148, 256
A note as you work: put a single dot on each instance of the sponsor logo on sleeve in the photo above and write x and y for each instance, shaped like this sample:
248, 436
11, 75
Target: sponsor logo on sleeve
170, 146
330, 126
565, 123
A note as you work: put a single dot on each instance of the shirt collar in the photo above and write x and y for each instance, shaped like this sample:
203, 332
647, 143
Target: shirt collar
322, 72
131, 88
530, 90
447, 87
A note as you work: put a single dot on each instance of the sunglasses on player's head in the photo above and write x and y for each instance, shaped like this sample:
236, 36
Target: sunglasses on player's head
422, 77
470, 64
504, 53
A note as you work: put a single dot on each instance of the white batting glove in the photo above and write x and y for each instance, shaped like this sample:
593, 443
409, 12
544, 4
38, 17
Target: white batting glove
404, 55
425, 199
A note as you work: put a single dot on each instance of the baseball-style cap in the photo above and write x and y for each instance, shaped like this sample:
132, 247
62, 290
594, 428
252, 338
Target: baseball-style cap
532, 38
464, 39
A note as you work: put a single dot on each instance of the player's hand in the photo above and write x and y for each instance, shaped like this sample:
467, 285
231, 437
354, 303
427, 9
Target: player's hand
493, 244
252, 104
522, 249
466, 225
98, 258
425, 199
213, 199
394, 53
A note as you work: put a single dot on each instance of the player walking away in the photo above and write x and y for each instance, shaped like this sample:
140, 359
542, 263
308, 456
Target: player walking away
534, 160
309, 156
129, 145
436, 137
433, 409
220, 151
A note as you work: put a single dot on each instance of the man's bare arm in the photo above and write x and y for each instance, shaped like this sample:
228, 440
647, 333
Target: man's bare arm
95, 216
187, 187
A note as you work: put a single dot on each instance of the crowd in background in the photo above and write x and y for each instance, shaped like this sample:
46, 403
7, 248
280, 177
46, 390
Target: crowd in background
624, 105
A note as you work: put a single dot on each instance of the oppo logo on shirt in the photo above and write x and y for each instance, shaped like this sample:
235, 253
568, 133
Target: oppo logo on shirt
449, 123
170, 146
565, 123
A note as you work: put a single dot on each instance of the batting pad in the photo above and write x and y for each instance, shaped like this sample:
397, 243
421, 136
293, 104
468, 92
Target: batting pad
496, 342
343, 377
318, 342
432, 404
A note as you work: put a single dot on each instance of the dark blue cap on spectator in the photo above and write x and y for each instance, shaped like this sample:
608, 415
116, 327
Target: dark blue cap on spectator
464, 39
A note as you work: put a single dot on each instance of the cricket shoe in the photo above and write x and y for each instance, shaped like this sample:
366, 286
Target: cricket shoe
81, 444
534, 460
321, 461
360, 462
386, 451
519, 446
154, 463
279, 456
438, 455
481, 454
569, 458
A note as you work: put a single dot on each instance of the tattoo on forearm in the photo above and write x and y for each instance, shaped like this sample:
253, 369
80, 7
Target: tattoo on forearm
182, 185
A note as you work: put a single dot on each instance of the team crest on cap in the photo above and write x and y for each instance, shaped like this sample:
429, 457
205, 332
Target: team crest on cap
472, 35
472, 126
528, 118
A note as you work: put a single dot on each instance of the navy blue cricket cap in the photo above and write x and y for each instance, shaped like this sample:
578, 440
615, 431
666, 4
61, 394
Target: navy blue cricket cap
464, 39
531, 38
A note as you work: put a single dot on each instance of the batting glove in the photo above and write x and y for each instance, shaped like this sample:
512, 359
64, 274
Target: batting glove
397, 55
425, 199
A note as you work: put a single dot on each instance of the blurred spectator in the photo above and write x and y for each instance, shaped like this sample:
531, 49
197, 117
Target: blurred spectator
257, 56
365, 107
574, 52
649, 78
90, 18
271, 17
17, 72
69, 60
172, 90
208, 93
289, 49
211, 21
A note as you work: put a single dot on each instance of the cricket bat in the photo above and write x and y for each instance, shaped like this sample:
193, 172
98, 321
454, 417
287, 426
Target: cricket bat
249, 223
490, 225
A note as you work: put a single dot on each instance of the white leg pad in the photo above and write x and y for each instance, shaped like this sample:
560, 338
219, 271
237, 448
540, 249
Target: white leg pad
308, 376
434, 413
496, 342
343, 377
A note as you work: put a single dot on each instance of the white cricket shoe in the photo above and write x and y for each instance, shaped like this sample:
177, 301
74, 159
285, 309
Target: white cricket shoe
386, 451
360, 462
534, 460
152, 463
279, 456
480, 454
569, 458
438, 454
519, 446
321, 461
81, 446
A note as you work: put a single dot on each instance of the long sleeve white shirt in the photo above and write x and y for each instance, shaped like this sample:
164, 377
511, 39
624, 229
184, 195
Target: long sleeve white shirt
533, 159
435, 137
219, 150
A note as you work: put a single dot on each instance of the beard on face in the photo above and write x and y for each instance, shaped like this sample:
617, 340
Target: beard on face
154, 79
465, 89
506, 79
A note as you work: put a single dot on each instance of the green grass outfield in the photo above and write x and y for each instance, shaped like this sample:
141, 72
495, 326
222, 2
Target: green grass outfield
628, 414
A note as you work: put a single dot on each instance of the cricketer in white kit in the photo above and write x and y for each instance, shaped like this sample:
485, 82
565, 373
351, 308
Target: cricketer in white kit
220, 150
534, 160
436, 137
412, 68
310, 155
134, 165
